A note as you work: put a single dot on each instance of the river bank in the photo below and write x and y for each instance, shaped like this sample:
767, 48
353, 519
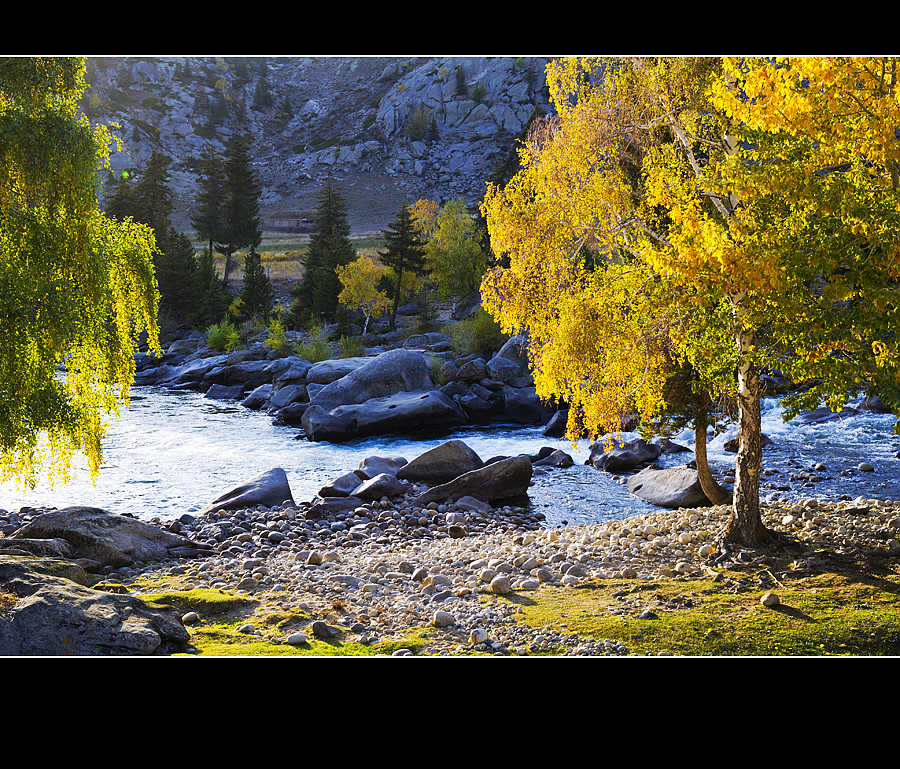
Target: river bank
510, 588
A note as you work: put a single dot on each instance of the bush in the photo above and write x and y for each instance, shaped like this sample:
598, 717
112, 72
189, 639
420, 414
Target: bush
276, 337
223, 336
316, 349
478, 334
351, 347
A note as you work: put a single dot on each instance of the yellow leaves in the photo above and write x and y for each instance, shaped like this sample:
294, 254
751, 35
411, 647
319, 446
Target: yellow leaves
359, 279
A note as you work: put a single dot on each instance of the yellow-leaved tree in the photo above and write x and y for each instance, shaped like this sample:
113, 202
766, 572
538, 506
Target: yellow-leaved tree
77, 289
719, 217
360, 290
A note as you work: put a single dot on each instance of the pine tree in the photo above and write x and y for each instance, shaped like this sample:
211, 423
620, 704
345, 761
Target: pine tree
257, 292
329, 247
213, 298
209, 217
241, 227
405, 253
149, 201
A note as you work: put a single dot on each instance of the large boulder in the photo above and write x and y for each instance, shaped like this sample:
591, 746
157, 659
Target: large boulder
328, 371
258, 398
523, 405
269, 489
441, 464
622, 458
107, 538
556, 427
387, 374
49, 615
511, 360
504, 479
401, 413
668, 487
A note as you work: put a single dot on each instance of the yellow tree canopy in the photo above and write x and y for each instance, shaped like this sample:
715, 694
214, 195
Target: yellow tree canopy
77, 289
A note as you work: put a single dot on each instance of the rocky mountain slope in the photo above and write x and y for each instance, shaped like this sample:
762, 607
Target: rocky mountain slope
389, 129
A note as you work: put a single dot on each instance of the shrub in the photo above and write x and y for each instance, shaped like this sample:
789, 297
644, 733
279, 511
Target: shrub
351, 347
223, 336
316, 349
477, 334
276, 338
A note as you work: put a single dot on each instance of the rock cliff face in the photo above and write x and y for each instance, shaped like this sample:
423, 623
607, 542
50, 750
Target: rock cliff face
389, 129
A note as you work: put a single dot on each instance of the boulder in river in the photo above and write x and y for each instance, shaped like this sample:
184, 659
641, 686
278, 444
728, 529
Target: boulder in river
441, 464
668, 487
620, 458
107, 538
505, 479
387, 374
269, 489
49, 615
403, 412
328, 371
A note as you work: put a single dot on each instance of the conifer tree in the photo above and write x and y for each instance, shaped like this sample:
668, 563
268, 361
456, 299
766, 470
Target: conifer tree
209, 216
149, 201
405, 253
241, 228
329, 247
213, 299
257, 292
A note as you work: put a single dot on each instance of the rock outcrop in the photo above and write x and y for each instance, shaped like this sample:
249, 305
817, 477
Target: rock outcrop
104, 538
49, 615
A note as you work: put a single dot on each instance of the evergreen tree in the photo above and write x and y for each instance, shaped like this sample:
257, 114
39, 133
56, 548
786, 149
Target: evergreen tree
257, 292
213, 298
241, 228
329, 247
209, 217
149, 201
405, 253
177, 275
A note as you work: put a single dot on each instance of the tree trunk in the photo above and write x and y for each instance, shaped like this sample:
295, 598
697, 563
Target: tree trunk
745, 526
714, 492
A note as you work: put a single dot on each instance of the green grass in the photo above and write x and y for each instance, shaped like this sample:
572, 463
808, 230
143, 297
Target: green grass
828, 614
222, 613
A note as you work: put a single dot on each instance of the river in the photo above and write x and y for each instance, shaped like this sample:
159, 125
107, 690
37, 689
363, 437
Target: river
171, 453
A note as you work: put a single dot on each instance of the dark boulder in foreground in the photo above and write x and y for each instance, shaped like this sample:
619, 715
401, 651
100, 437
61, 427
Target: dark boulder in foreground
270, 489
49, 615
105, 538
441, 464
504, 479
669, 487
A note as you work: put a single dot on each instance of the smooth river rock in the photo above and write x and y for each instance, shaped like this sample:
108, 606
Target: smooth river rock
270, 489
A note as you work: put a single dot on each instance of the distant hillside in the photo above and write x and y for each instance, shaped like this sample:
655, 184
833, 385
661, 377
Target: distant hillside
390, 130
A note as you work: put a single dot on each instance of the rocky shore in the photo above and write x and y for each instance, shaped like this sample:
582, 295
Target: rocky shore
379, 561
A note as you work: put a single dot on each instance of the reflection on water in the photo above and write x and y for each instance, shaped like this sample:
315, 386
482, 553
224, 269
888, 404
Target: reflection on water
172, 452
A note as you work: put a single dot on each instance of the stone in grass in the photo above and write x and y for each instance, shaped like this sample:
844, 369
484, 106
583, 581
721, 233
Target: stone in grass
770, 599
296, 639
323, 630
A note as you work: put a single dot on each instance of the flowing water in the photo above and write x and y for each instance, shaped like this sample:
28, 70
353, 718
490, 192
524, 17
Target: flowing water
173, 452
